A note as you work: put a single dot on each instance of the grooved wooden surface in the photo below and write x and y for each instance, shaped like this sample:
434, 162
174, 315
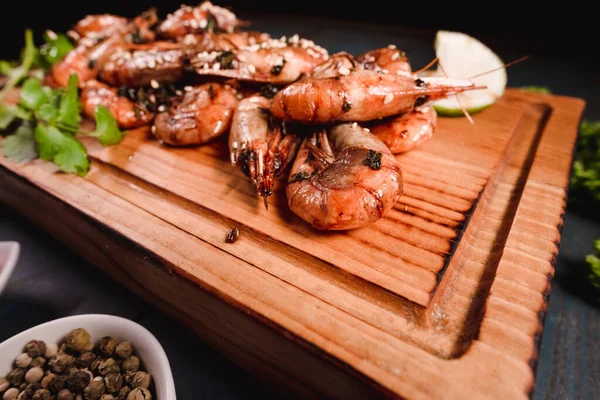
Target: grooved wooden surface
450, 287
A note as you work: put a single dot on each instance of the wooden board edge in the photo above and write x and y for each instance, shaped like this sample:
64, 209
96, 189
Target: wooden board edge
247, 350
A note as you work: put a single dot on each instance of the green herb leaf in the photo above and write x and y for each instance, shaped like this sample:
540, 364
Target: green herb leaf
33, 95
537, 89
373, 160
20, 146
593, 262
6, 67
56, 47
586, 167
47, 112
69, 110
7, 115
62, 149
18, 73
107, 130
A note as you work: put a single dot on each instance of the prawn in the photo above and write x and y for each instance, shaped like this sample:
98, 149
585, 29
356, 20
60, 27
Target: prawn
139, 65
341, 61
210, 41
205, 17
361, 95
85, 60
261, 147
277, 61
407, 131
202, 114
386, 60
345, 178
127, 113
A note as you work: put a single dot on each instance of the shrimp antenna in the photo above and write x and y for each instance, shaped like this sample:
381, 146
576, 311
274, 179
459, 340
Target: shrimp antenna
425, 68
502, 66
462, 107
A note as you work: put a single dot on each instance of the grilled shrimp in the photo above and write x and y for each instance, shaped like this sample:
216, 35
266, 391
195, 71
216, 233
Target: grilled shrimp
205, 17
127, 113
343, 179
210, 41
98, 25
203, 113
278, 61
407, 131
85, 60
341, 61
263, 149
138, 65
387, 60
360, 96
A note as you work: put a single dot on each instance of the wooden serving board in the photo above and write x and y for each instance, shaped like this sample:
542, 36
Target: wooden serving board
443, 298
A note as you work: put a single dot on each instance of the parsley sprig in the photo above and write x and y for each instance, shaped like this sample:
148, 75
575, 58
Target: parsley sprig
49, 119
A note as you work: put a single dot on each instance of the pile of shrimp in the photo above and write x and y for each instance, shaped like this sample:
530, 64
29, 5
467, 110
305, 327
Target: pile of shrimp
328, 125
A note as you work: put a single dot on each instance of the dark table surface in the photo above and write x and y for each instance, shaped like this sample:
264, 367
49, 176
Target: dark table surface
50, 281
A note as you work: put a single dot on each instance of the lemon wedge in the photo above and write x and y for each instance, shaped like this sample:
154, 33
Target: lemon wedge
463, 56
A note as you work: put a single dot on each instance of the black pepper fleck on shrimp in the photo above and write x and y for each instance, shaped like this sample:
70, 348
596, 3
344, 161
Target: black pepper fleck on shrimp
204, 18
260, 146
361, 95
210, 41
278, 61
345, 178
127, 113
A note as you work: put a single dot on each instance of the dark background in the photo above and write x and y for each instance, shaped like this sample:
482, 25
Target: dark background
541, 28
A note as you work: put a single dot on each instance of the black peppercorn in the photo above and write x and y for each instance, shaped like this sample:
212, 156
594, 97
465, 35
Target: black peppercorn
141, 379
130, 364
124, 392
42, 394
106, 346
85, 360
77, 381
35, 348
123, 350
57, 384
94, 390
108, 366
37, 362
61, 362
139, 394
15, 377
29, 390
113, 382
47, 380
65, 394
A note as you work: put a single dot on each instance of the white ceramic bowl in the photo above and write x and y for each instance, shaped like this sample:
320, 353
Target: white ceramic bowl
9, 254
145, 345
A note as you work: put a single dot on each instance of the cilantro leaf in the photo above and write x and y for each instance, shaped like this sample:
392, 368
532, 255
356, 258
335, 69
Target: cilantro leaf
20, 146
62, 149
33, 95
18, 73
47, 112
69, 110
107, 130
593, 262
56, 47
7, 115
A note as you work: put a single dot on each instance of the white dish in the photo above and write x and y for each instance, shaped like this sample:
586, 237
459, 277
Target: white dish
145, 345
9, 254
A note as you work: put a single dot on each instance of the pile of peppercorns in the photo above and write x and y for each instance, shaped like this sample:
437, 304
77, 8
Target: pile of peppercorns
77, 369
